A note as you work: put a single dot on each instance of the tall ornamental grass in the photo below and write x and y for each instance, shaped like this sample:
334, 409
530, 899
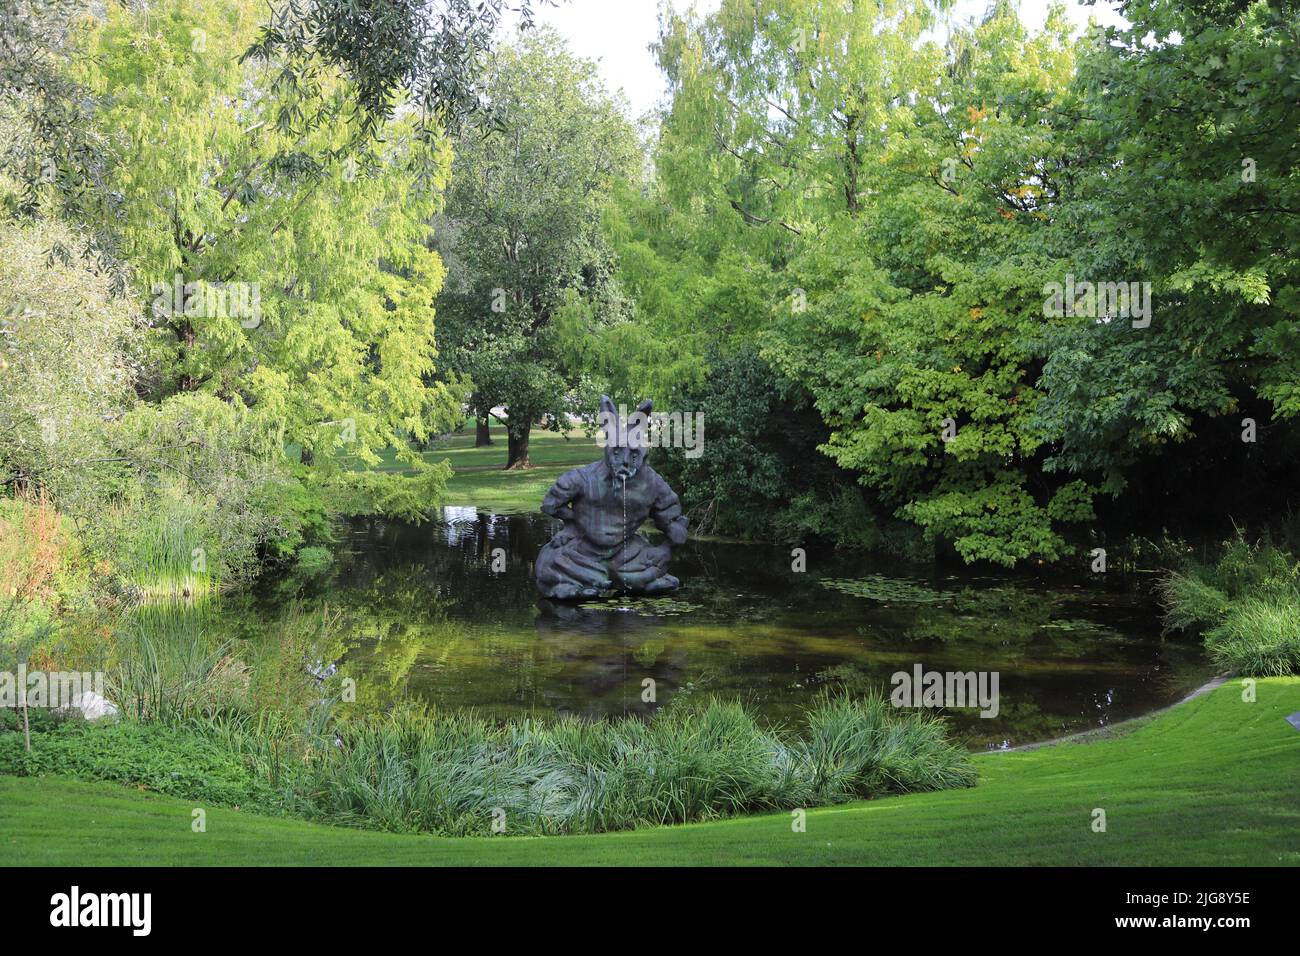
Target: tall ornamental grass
1258, 636
459, 774
1247, 604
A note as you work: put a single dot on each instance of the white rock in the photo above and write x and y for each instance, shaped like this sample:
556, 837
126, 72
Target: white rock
94, 707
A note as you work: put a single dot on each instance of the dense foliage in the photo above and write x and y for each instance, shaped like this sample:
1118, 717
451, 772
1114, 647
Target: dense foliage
212, 315
936, 287
891, 214
849, 244
524, 238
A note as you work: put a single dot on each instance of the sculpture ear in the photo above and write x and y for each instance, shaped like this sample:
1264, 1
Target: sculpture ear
644, 407
607, 405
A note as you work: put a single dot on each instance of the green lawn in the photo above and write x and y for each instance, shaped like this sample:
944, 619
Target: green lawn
481, 479
1212, 781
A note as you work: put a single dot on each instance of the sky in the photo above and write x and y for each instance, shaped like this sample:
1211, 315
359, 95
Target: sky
617, 34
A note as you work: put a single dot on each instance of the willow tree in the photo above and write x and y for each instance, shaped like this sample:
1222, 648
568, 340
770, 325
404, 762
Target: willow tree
526, 199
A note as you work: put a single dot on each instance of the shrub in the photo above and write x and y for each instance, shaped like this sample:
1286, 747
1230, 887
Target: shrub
160, 757
45, 582
1190, 602
864, 747
67, 363
1247, 603
1259, 636
313, 562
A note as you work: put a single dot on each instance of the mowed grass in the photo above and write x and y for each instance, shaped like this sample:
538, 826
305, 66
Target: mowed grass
1214, 781
480, 478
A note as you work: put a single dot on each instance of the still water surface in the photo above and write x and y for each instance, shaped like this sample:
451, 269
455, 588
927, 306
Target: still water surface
430, 613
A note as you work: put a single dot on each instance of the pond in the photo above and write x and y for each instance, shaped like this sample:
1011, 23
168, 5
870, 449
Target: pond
446, 612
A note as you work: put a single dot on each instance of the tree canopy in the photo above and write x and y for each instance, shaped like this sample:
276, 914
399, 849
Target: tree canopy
524, 216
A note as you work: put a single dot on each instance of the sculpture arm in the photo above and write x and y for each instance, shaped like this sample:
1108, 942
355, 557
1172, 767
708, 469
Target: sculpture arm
557, 501
666, 513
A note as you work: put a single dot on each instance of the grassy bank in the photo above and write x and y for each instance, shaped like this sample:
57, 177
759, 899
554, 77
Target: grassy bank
480, 479
1214, 781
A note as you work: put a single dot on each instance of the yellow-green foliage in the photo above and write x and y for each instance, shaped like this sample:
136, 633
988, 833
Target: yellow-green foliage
333, 238
64, 353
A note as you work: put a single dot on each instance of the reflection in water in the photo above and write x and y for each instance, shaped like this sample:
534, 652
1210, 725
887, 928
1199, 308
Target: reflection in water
428, 616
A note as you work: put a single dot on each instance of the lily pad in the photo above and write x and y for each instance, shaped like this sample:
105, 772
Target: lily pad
877, 587
649, 606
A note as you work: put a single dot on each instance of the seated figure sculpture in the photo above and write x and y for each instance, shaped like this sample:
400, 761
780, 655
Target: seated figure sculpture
598, 551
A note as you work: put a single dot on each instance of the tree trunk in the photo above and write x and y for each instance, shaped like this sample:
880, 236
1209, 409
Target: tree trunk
27, 720
517, 446
482, 433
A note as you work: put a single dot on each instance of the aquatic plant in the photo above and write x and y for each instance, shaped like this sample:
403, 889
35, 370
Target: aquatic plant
1190, 602
1247, 604
878, 587
169, 664
648, 606
457, 773
160, 550
863, 747
176, 661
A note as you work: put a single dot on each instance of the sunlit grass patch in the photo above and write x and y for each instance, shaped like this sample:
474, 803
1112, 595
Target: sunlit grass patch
162, 551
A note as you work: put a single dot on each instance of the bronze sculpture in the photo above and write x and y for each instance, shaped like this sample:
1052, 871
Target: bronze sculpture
598, 551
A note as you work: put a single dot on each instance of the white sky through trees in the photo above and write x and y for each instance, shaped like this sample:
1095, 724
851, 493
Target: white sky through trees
617, 34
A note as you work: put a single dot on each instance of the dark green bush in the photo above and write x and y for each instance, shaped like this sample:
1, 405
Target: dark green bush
170, 759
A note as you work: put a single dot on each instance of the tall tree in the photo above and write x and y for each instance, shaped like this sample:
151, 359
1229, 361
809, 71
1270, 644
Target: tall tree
395, 54
1184, 173
526, 201
887, 196
47, 130
306, 297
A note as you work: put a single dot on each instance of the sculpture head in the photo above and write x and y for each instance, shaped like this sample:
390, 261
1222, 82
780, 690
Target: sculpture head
625, 443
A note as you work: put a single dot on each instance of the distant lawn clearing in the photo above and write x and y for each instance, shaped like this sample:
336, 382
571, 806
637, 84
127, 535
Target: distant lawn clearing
1214, 781
481, 480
